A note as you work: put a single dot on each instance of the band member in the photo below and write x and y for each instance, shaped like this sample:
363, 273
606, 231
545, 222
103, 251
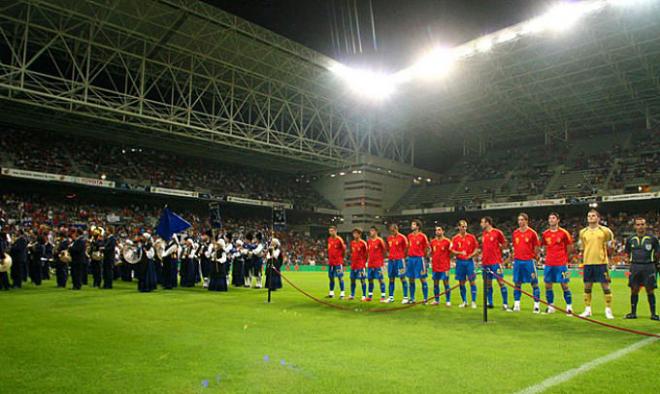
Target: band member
170, 261
217, 266
146, 270
96, 255
108, 266
48, 255
5, 258
256, 260
77, 251
188, 258
37, 257
238, 263
274, 260
206, 255
61, 258
19, 255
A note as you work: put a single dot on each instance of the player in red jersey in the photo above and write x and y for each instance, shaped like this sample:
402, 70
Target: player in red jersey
416, 267
358, 263
440, 264
377, 250
525, 250
396, 264
492, 242
465, 246
558, 245
336, 250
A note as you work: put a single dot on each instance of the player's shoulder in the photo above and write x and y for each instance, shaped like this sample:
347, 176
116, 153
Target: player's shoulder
565, 232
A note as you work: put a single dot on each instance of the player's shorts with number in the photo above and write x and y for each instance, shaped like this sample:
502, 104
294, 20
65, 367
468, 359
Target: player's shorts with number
524, 271
375, 273
556, 274
358, 274
464, 269
596, 273
489, 271
396, 268
415, 268
444, 275
335, 271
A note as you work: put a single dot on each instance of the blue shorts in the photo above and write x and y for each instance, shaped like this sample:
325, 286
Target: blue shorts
335, 271
556, 274
495, 268
464, 270
375, 273
396, 269
440, 275
415, 268
596, 274
360, 274
524, 271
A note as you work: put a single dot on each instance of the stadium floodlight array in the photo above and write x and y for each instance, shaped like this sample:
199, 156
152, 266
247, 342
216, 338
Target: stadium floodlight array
438, 62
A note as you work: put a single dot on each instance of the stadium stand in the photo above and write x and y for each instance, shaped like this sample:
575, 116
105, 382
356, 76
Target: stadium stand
150, 168
590, 165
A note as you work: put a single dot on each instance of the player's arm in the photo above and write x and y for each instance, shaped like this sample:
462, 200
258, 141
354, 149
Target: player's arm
451, 248
610, 244
476, 248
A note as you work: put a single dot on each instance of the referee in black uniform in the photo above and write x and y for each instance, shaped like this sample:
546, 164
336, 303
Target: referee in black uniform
643, 250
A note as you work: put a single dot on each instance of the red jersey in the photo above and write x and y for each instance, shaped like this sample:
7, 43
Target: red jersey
556, 246
418, 244
336, 250
376, 252
397, 245
440, 254
466, 245
358, 254
524, 244
491, 242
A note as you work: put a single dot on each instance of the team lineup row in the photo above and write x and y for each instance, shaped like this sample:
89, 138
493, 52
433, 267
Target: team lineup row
406, 260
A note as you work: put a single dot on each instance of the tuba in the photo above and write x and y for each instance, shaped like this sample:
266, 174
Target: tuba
5, 263
64, 256
132, 254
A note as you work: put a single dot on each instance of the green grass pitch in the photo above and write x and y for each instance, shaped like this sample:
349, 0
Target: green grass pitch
95, 341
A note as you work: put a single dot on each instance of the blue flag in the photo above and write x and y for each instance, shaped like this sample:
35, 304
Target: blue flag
170, 223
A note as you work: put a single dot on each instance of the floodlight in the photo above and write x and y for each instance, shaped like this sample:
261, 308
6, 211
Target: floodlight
434, 64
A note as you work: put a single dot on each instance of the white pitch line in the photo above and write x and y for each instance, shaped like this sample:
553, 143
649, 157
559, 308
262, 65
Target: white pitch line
571, 373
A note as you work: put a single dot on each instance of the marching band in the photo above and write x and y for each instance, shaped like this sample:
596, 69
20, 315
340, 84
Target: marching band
213, 260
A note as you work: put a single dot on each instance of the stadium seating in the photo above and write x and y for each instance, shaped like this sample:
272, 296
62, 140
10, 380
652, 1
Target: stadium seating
61, 154
588, 165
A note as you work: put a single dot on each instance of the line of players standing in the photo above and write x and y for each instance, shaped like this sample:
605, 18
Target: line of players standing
406, 261
184, 260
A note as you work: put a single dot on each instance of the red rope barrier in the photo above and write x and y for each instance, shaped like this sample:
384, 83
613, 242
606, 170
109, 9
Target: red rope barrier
371, 310
612, 326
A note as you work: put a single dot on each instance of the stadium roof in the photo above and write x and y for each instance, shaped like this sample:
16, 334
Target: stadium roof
601, 73
183, 69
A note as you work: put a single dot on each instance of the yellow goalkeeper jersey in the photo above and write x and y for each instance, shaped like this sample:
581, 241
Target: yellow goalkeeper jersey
594, 244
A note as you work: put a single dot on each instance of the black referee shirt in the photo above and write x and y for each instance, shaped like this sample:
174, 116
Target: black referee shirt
643, 250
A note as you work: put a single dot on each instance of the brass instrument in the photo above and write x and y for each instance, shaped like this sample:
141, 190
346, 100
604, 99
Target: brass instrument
5, 263
131, 253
